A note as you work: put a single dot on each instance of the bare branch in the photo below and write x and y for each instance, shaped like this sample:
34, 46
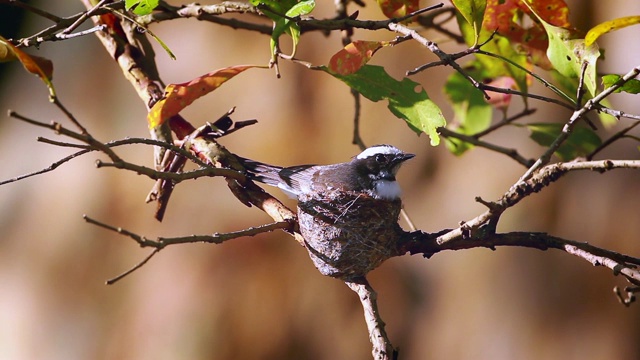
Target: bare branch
382, 348
617, 136
512, 153
209, 13
69, 115
504, 122
161, 243
32, 9
527, 95
617, 113
538, 181
580, 90
618, 263
577, 115
51, 167
433, 47
81, 33
87, 14
134, 268
428, 22
217, 238
544, 82
630, 296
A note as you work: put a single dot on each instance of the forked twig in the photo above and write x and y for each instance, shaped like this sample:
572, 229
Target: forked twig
160, 243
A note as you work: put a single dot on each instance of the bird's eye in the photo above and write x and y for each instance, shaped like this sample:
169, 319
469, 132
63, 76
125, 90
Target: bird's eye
380, 158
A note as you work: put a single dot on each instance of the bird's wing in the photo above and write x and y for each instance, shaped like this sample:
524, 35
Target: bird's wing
296, 179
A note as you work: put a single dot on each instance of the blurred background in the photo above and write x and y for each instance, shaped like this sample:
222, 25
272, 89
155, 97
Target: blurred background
261, 297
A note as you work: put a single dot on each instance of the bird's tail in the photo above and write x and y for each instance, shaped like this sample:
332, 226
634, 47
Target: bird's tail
264, 173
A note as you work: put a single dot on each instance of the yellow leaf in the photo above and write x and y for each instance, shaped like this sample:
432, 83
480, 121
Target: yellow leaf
609, 26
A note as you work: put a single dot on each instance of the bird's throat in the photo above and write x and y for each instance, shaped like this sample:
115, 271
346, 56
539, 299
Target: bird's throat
386, 189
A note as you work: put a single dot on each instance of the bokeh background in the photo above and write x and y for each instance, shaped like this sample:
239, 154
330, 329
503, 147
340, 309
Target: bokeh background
261, 297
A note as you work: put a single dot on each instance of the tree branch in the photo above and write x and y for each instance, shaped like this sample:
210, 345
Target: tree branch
421, 243
160, 243
433, 47
382, 348
512, 153
538, 181
577, 115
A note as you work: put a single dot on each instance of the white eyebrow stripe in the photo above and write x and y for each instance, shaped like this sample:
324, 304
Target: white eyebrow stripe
378, 149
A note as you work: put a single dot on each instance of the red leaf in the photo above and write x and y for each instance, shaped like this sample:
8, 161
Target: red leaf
354, 56
501, 100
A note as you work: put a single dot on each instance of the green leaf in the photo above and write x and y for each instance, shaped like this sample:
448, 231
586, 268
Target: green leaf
567, 54
608, 26
141, 7
291, 9
472, 113
501, 46
301, 8
632, 86
473, 13
580, 142
414, 107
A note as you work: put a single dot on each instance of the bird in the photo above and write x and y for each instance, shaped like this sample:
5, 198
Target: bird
347, 212
372, 172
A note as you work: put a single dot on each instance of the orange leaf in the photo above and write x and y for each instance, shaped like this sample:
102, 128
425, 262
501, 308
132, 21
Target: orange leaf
506, 16
398, 8
353, 56
37, 65
179, 96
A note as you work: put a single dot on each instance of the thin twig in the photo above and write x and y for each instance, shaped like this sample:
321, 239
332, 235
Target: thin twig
134, 268
617, 136
32, 9
63, 144
69, 115
433, 47
161, 243
504, 122
580, 89
416, 13
527, 95
428, 22
535, 183
117, 162
544, 82
51, 167
83, 18
217, 238
62, 36
577, 115
617, 113
512, 153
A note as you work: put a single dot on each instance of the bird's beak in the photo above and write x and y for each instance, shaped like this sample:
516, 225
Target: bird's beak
404, 157
399, 160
